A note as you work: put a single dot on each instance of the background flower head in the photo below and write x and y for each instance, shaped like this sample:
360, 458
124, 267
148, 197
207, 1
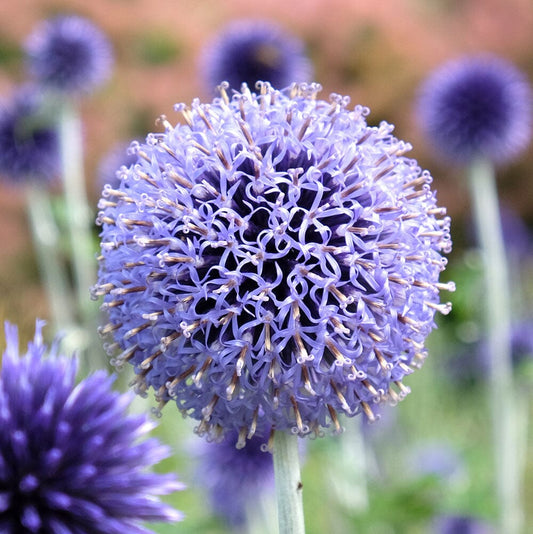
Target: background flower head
272, 261
476, 106
457, 524
248, 51
29, 148
110, 165
69, 54
236, 479
70, 455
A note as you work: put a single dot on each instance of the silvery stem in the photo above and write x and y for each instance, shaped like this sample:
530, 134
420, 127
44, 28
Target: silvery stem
498, 325
288, 483
77, 206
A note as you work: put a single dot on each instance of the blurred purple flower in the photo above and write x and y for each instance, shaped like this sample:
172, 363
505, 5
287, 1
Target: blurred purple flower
469, 365
272, 261
70, 455
29, 148
522, 342
517, 236
111, 165
248, 51
436, 459
476, 106
236, 479
461, 525
69, 54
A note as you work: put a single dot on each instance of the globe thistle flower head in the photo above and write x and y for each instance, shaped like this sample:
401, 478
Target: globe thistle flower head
235, 478
476, 106
248, 51
70, 455
271, 261
29, 146
69, 54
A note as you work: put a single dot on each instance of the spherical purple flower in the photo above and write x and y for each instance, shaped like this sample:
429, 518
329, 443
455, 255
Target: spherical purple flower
70, 455
272, 261
29, 148
69, 54
248, 51
476, 106
236, 478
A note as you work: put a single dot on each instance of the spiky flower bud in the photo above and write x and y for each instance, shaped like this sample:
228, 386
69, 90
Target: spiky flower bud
70, 455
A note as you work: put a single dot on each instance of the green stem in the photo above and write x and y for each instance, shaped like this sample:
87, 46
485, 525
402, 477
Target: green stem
79, 222
77, 205
498, 324
46, 238
288, 484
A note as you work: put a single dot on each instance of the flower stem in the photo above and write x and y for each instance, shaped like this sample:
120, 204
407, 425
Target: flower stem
77, 206
498, 324
79, 221
288, 484
45, 238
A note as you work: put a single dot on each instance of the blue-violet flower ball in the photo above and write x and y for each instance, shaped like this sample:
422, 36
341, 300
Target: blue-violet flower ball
476, 107
248, 51
236, 479
29, 146
69, 54
71, 458
272, 260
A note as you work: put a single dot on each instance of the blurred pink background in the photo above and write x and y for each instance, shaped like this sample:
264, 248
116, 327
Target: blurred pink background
375, 51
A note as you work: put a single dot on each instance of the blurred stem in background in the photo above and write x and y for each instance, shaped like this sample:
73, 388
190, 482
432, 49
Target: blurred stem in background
46, 238
348, 473
79, 223
498, 324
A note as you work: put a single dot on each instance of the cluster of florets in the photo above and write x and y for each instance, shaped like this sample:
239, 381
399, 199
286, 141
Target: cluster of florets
476, 107
70, 455
273, 260
248, 50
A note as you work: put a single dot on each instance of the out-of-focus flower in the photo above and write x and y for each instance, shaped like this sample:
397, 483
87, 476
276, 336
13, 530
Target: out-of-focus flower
517, 236
522, 342
461, 525
110, 166
437, 459
248, 51
69, 54
272, 261
471, 363
70, 455
29, 148
236, 479
476, 106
